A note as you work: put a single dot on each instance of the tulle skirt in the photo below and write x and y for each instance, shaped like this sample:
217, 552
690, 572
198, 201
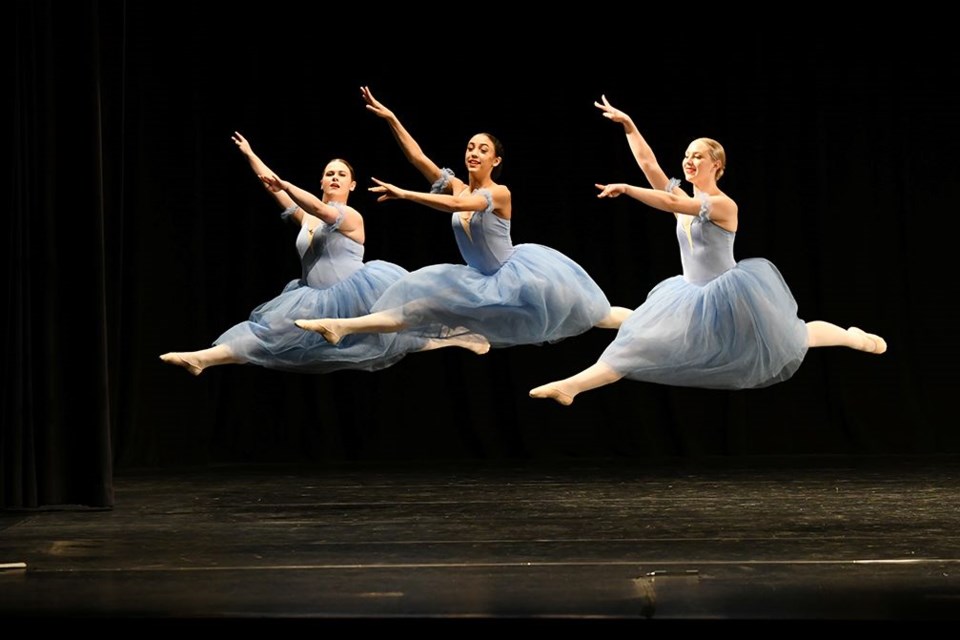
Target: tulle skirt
738, 331
270, 338
539, 295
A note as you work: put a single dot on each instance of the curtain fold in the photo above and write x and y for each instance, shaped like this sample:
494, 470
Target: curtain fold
62, 240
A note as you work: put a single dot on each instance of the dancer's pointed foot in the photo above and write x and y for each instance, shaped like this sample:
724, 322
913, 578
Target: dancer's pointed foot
472, 341
553, 392
179, 360
322, 326
871, 343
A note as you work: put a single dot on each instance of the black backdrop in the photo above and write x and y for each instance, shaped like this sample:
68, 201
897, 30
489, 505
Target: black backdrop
137, 228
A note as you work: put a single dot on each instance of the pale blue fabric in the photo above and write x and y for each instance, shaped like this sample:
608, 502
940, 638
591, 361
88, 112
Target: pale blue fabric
335, 283
723, 324
511, 294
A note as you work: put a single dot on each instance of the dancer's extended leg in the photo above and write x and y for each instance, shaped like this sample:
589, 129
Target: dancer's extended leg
564, 391
826, 334
334, 330
196, 361
615, 318
471, 341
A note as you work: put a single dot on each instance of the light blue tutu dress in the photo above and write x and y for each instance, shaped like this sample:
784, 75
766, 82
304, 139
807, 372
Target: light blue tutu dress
336, 283
510, 294
723, 324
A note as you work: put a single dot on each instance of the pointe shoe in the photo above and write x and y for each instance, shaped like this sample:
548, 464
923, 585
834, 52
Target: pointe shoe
318, 326
180, 361
549, 391
879, 344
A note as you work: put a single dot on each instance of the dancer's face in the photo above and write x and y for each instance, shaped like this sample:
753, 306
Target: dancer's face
481, 156
697, 163
337, 181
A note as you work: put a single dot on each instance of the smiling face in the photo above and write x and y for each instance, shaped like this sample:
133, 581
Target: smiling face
337, 181
481, 157
704, 161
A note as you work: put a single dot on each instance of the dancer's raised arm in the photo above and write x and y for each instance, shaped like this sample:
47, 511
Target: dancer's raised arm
261, 169
642, 152
411, 149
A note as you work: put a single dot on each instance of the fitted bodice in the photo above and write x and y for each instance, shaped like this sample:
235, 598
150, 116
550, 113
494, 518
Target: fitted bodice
483, 237
707, 251
327, 257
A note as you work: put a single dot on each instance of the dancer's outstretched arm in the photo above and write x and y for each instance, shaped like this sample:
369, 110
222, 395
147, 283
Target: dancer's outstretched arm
721, 207
313, 205
443, 201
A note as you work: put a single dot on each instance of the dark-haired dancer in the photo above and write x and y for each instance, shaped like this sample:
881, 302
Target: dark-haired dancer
335, 281
510, 294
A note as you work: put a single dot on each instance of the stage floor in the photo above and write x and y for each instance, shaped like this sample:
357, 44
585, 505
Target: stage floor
786, 539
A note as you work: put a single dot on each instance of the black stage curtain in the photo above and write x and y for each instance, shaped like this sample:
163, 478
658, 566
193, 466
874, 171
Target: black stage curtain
137, 228
65, 258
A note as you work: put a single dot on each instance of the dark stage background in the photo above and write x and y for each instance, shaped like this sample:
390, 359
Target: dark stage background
136, 228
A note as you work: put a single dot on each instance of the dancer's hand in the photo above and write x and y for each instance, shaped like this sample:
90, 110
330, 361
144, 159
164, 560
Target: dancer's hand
387, 191
273, 183
241, 143
611, 190
375, 105
612, 113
